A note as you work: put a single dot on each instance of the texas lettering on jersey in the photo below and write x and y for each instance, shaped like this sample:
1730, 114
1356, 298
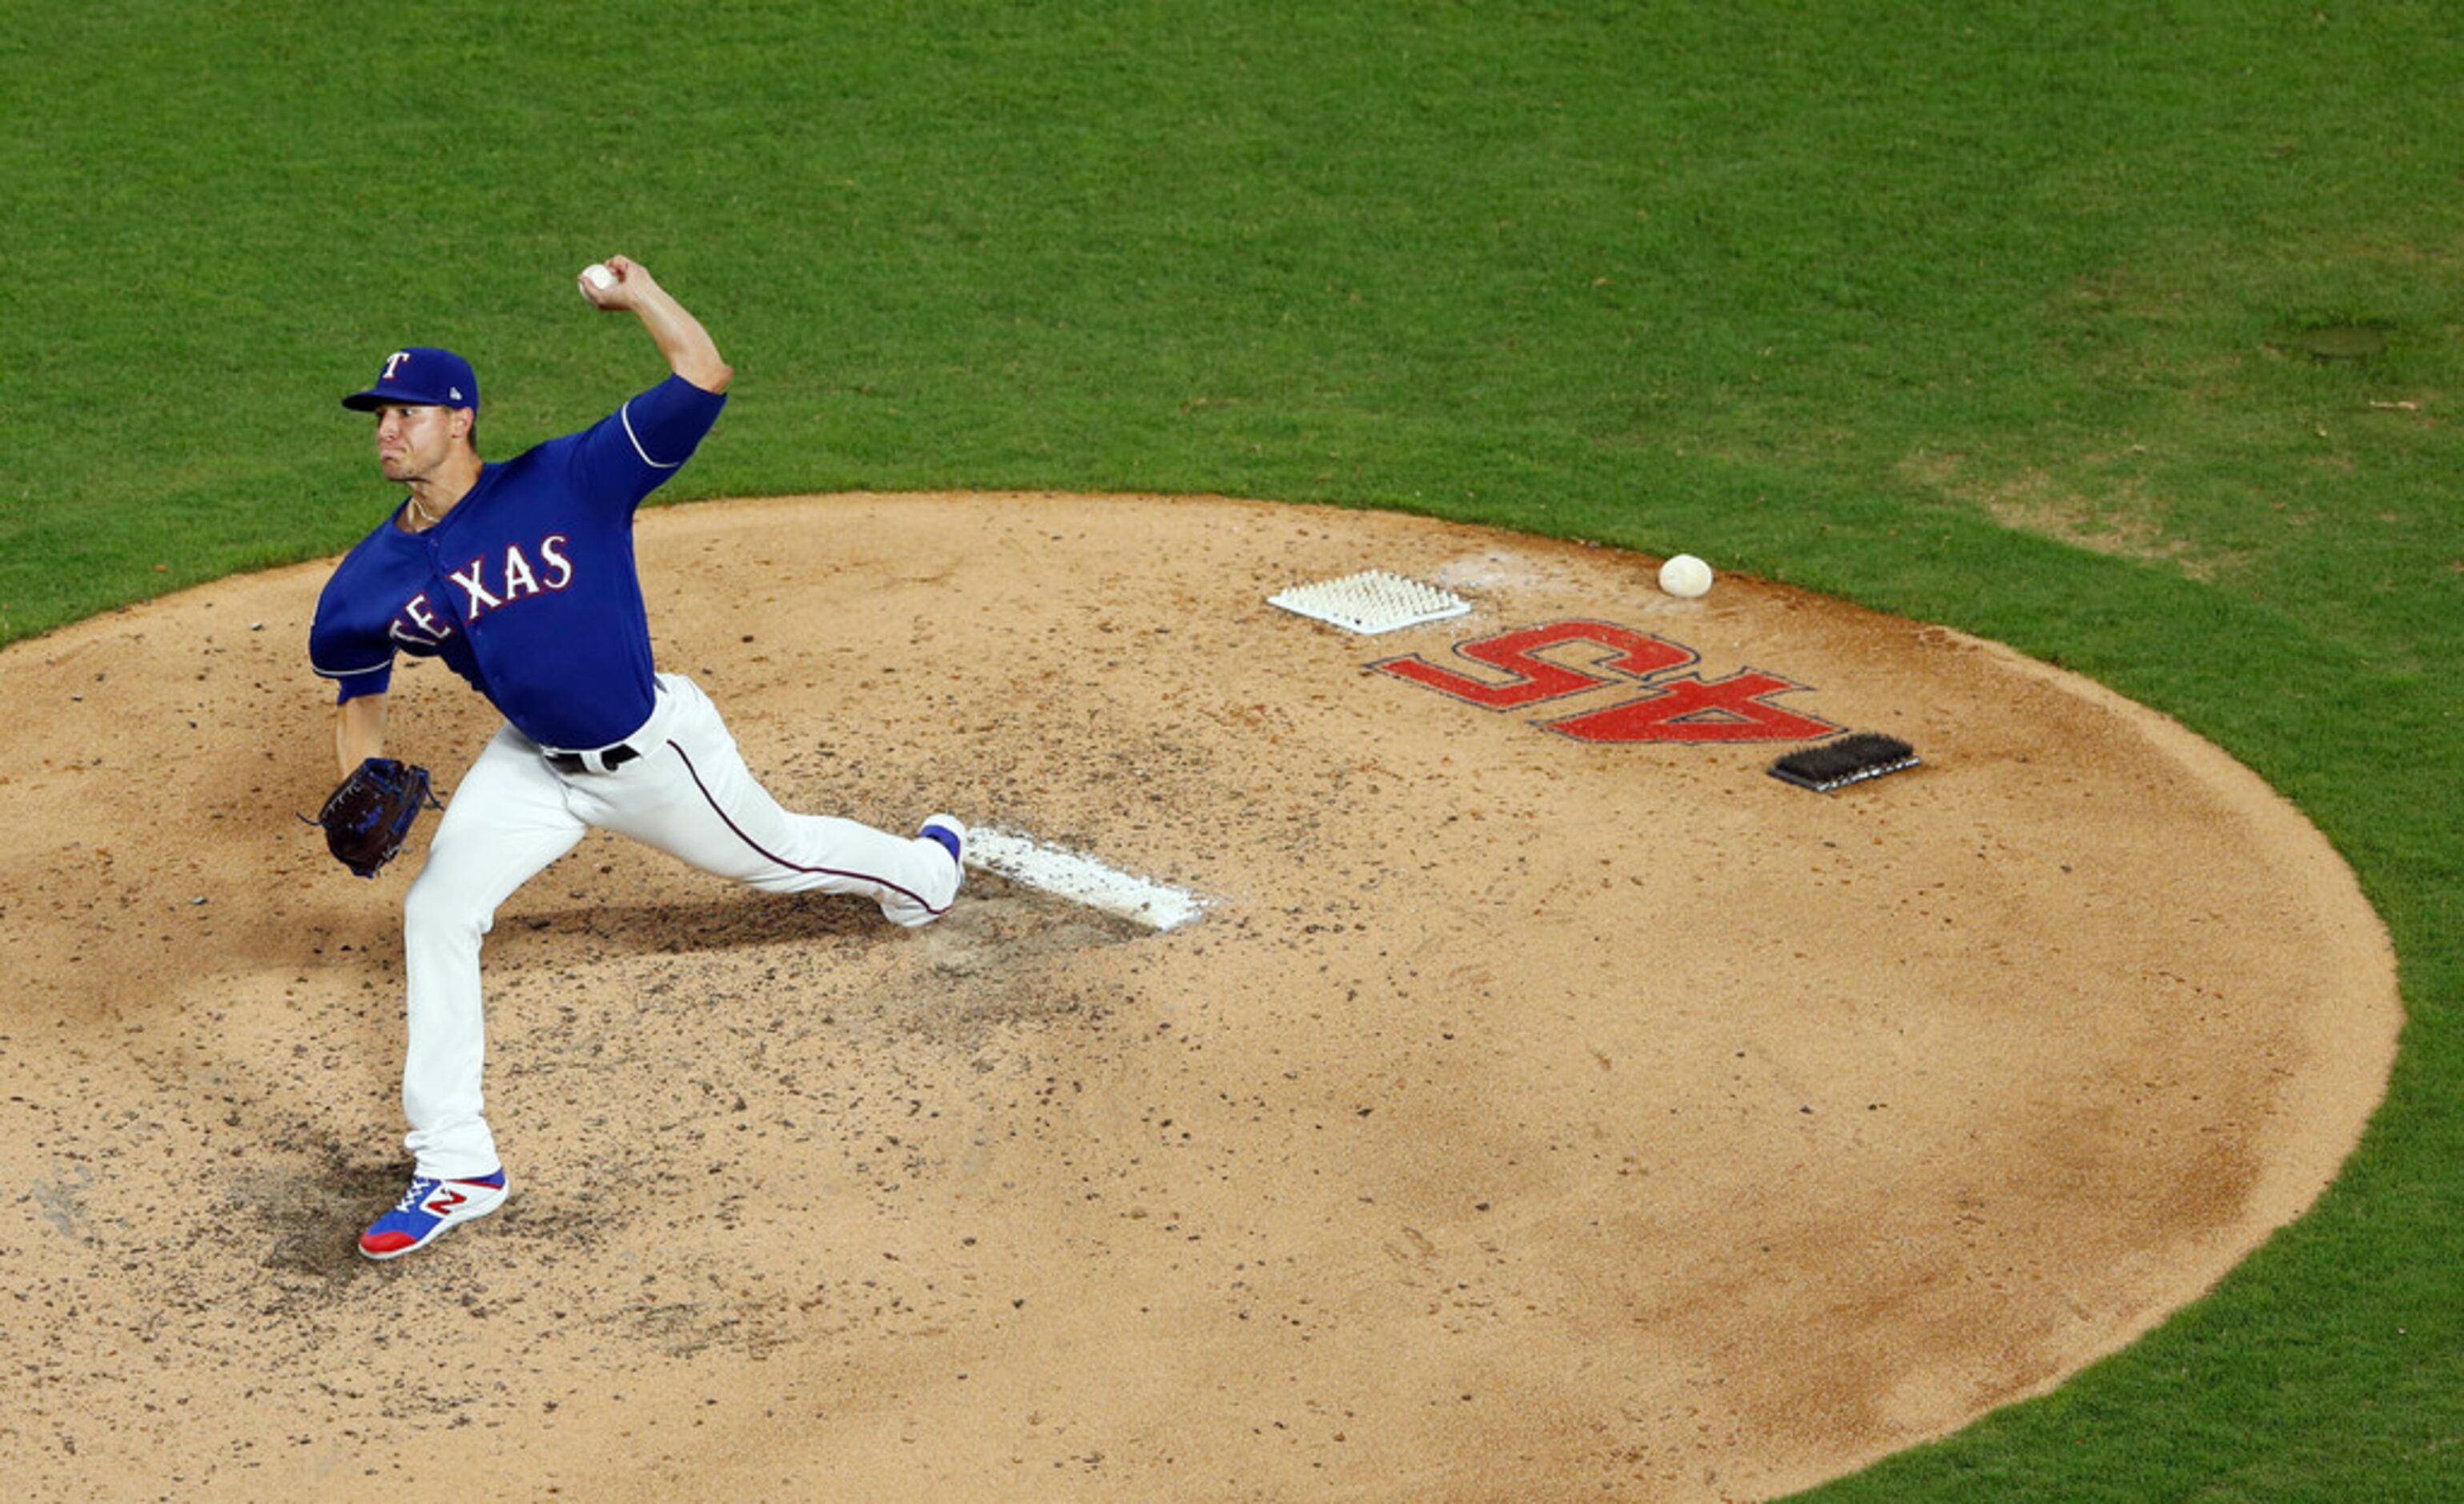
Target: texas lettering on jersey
421, 624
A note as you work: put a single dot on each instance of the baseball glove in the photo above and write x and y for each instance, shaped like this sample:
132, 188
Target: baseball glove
370, 816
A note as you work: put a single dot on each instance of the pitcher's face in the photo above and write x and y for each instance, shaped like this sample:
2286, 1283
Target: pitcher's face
413, 440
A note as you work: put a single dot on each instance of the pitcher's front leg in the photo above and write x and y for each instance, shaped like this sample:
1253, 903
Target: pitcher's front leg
505, 822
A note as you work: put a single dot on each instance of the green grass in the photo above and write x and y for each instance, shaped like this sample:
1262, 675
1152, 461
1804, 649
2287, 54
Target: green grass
1899, 300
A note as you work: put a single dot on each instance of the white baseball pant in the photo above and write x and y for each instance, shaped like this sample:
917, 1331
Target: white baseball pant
689, 794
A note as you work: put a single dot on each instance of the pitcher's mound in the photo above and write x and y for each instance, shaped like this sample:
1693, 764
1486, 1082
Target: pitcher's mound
1544, 1101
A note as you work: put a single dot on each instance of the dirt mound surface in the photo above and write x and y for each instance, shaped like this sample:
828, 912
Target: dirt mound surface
1549, 1101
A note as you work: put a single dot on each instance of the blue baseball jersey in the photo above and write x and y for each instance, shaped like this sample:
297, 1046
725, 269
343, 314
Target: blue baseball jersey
528, 587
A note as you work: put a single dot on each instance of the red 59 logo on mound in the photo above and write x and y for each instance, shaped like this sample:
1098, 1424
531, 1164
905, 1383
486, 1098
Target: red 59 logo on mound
1669, 706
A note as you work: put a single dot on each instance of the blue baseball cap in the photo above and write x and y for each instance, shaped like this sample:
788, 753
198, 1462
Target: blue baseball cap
421, 376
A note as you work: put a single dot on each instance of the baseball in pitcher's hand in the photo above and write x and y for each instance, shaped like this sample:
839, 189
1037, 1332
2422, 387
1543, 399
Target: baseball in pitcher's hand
634, 283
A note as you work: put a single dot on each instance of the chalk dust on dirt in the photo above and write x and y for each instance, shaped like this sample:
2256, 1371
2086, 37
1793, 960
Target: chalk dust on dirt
1527, 1117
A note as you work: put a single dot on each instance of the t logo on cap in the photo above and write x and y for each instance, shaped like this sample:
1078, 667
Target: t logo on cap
421, 376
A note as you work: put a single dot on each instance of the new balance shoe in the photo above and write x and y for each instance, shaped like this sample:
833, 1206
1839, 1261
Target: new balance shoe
426, 1210
951, 835
911, 909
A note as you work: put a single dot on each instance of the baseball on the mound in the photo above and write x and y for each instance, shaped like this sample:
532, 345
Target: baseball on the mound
1686, 576
597, 275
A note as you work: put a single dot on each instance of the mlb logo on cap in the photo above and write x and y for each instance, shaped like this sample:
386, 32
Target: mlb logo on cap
421, 376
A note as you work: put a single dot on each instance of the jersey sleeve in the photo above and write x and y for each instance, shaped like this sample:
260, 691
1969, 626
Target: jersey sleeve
356, 655
628, 453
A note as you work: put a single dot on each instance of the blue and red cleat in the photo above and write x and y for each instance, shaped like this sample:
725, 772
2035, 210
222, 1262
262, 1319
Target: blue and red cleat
426, 1210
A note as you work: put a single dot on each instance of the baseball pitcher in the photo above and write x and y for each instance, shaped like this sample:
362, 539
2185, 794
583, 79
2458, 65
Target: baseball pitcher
519, 574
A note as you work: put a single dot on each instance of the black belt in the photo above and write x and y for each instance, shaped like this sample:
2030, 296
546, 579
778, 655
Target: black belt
610, 759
